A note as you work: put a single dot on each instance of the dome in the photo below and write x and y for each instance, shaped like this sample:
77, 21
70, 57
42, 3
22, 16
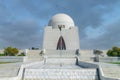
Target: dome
61, 20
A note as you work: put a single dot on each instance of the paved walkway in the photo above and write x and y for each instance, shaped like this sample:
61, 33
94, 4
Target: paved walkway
9, 69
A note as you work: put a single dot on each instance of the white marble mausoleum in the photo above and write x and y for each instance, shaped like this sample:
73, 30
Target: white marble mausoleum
60, 59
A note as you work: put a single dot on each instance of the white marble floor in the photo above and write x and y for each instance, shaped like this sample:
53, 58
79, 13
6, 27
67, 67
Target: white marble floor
55, 66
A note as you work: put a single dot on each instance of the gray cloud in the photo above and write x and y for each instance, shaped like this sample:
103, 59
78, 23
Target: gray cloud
27, 33
22, 34
84, 12
4, 14
107, 40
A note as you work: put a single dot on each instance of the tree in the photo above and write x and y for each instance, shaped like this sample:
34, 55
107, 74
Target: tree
114, 52
116, 49
22, 54
34, 48
119, 54
9, 51
109, 52
98, 52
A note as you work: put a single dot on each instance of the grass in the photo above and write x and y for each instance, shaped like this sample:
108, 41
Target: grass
5, 62
115, 62
2, 54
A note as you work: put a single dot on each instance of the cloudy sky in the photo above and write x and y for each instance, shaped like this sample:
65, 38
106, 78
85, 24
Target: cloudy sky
22, 21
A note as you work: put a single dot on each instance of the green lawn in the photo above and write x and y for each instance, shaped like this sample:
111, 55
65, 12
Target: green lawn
5, 62
115, 62
2, 54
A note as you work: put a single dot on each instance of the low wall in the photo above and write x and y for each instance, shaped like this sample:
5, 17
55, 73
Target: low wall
109, 59
87, 64
86, 58
97, 66
9, 78
21, 71
1, 51
11, 59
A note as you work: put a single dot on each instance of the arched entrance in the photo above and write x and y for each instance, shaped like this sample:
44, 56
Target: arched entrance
61, 44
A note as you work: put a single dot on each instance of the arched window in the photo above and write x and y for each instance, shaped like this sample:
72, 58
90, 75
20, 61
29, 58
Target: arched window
61, 44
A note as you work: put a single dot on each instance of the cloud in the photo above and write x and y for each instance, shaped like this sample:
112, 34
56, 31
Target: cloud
107, 40
4, 14
84, 12
25, 33
22, 34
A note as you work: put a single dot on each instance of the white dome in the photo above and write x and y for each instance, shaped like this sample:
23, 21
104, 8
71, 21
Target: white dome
61, 20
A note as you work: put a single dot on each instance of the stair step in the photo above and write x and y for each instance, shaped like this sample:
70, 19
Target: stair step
62, 74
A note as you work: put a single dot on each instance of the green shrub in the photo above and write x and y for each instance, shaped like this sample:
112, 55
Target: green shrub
109, 52
22, 54
114, 52
116, 49
10, 51
118, 54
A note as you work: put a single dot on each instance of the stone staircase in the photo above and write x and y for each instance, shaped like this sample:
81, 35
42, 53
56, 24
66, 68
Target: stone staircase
61, 60
59, 67
52, 70
60, 74
60, 53
33, 55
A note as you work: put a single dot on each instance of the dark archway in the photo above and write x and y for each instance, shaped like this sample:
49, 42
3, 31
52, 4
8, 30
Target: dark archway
61, 44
